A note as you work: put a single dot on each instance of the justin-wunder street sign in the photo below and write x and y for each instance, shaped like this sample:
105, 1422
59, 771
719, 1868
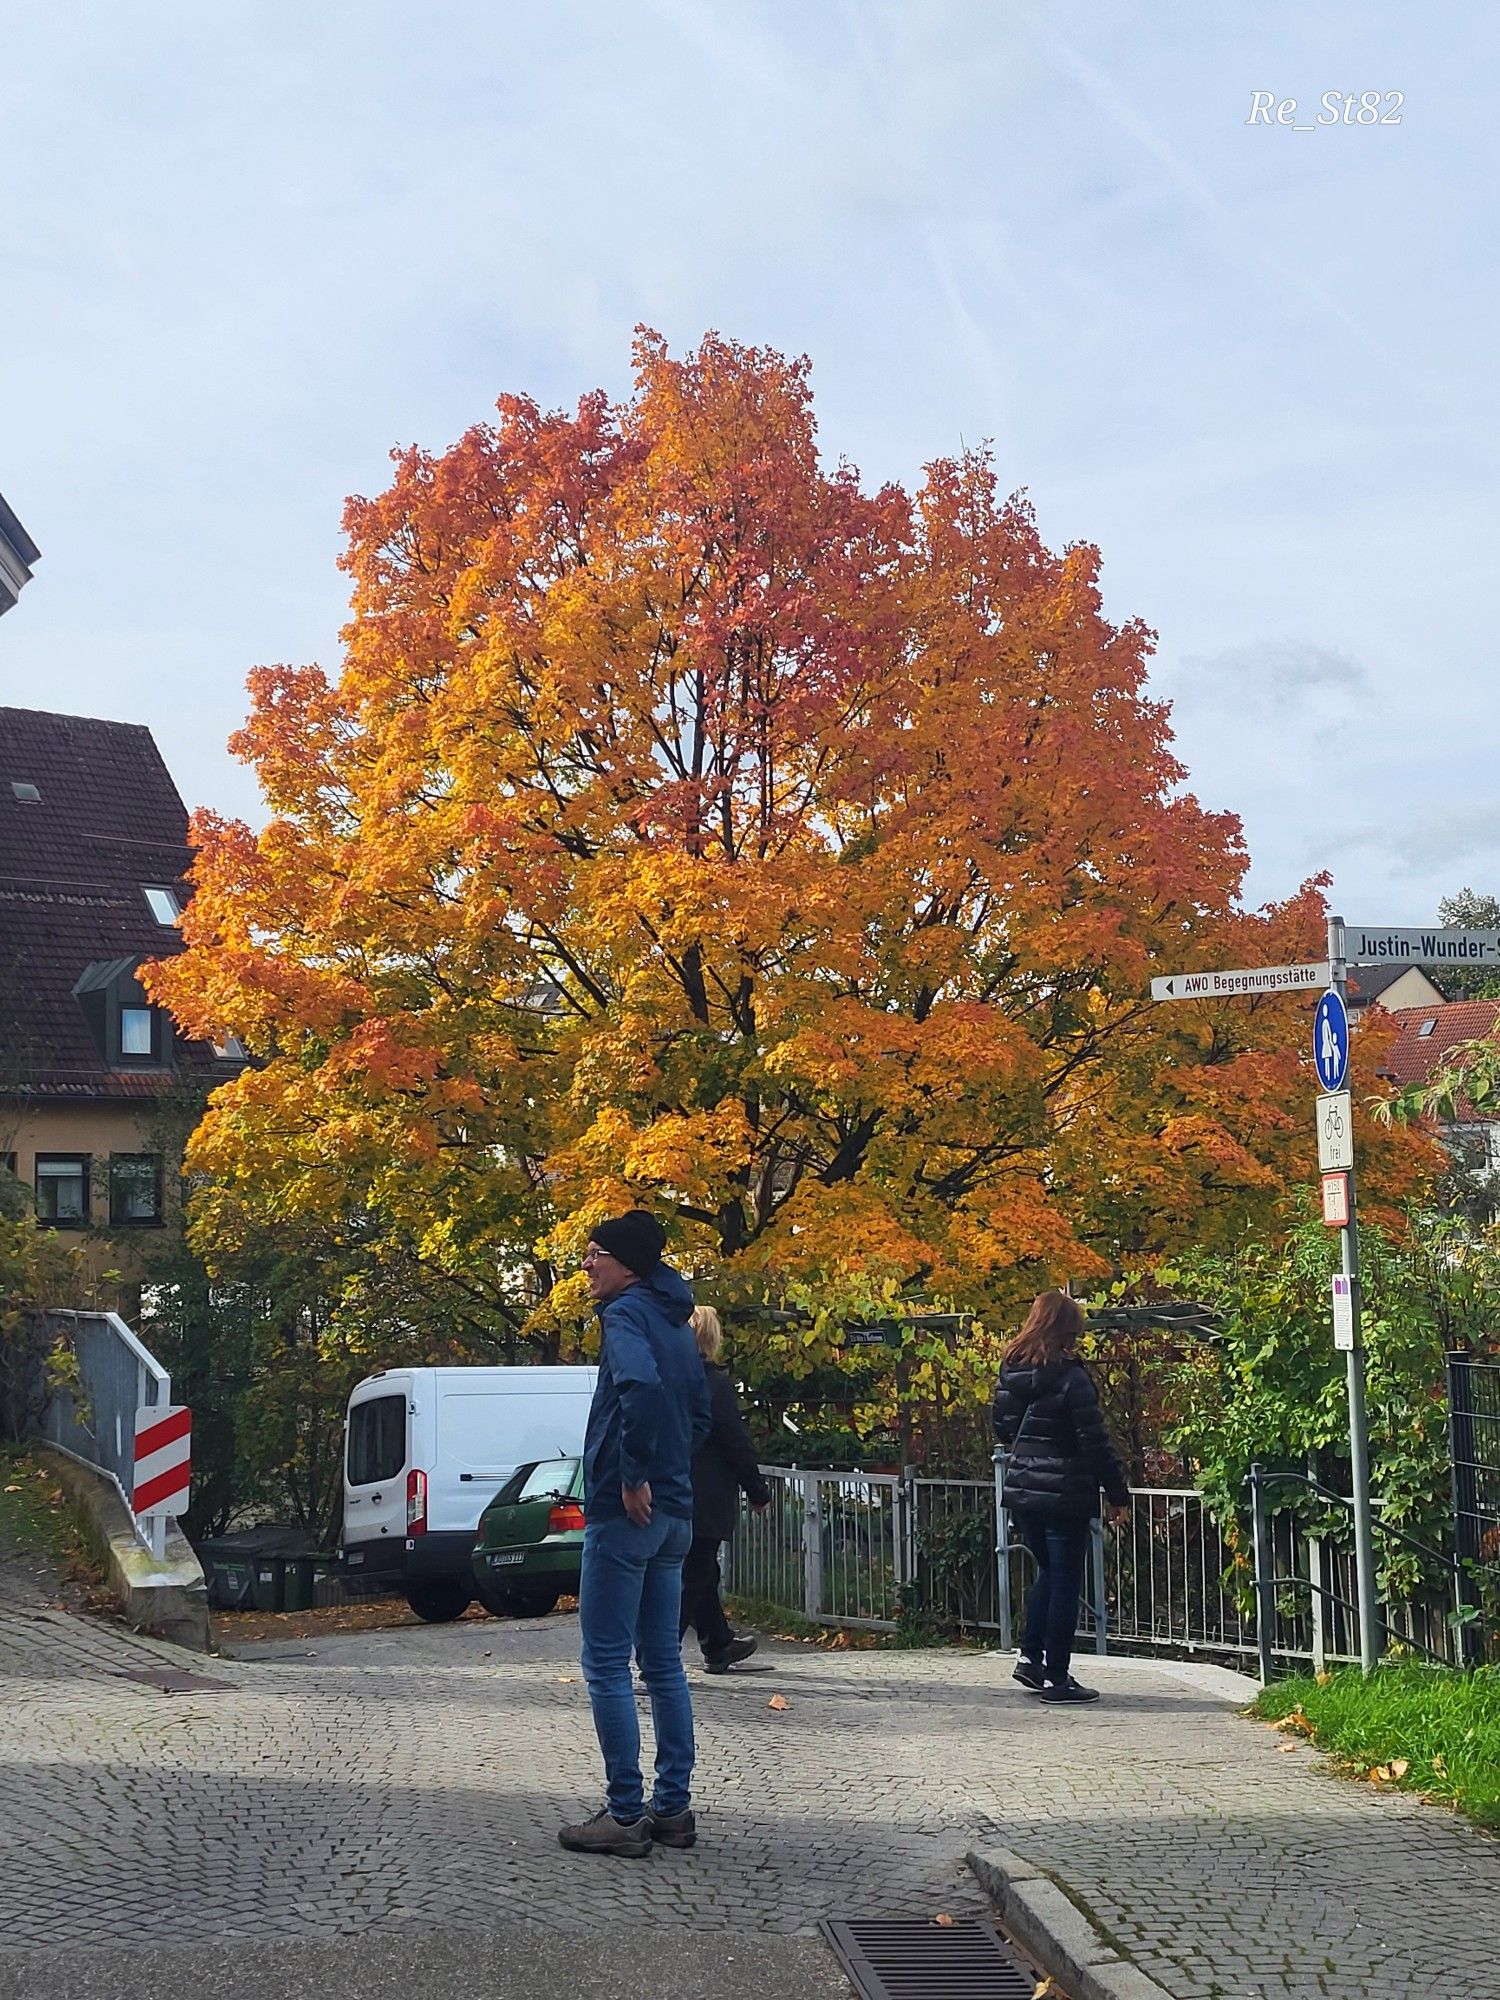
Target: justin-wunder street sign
1251, 979
1395, 944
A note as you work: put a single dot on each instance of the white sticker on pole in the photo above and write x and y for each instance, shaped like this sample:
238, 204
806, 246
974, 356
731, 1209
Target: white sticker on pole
1335, 1113
163, 1460
1343, 1313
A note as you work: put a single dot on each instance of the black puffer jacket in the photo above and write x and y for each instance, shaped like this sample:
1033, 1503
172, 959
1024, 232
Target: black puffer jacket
1050, 1422
724, 1465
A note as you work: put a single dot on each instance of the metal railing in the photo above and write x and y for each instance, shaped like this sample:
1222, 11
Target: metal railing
1474, 1441
95, 1423
871, 1549
1307, 1584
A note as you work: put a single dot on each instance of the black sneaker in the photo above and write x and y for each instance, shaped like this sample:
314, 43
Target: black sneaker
604, 1834
1029, 1674
672, 1829
728, 1656
1068, 1690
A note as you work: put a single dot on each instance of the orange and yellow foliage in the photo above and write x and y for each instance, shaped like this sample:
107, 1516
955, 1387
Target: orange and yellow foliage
688, 824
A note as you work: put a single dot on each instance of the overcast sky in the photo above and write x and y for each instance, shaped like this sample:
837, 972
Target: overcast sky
245, 249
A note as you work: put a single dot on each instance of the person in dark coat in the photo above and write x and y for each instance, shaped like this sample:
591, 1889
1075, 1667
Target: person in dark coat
724, 1466
1047, 1417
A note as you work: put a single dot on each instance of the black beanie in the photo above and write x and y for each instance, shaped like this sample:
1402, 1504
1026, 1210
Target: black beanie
636, 1239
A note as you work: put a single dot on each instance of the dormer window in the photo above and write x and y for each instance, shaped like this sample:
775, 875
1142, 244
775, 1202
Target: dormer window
128, 1031
138, 1033
165, 904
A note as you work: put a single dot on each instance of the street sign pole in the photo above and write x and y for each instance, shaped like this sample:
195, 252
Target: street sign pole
1359, 1434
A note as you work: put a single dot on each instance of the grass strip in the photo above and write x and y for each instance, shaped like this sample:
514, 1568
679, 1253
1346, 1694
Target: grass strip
1424, 1729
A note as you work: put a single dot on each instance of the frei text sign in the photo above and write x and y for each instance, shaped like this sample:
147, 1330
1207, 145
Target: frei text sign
1396, 944
163, 1460
1335, 1114
1250, 979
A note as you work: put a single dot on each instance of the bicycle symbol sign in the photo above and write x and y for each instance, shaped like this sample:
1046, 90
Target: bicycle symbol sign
1331, 1041
1335, 1133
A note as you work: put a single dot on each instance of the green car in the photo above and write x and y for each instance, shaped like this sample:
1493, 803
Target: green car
528, 1550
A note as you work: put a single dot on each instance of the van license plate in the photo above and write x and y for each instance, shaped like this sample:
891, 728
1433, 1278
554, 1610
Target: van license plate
354, 1561
509, 1556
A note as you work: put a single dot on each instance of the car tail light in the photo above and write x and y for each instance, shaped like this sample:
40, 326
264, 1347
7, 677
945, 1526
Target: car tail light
562, 1518
416, 1502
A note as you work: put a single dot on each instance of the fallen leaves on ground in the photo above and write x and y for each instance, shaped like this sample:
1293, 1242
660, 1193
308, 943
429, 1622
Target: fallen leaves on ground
944, 1919
1285, 1747
1047, 1989
1400, 1766
778, 1702
1297, 1721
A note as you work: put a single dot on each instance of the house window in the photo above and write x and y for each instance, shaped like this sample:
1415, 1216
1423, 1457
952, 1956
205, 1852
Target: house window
134, 1188
62, 1189
1426, 1028
138, 1033
165, 904
24, 793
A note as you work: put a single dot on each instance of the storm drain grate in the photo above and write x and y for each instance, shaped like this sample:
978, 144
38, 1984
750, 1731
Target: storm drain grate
911, 1958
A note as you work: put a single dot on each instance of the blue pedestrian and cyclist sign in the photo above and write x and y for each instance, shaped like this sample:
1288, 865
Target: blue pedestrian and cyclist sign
1331, 1040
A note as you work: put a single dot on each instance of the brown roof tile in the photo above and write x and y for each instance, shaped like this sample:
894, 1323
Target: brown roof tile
1419, 1050
106, 821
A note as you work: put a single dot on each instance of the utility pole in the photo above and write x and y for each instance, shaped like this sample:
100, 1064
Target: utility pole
1359, 1434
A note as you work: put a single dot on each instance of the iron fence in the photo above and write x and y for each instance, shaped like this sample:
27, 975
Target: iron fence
875, 1550
1474, 1442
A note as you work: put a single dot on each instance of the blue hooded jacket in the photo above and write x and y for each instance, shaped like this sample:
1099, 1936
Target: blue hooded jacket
650, 1409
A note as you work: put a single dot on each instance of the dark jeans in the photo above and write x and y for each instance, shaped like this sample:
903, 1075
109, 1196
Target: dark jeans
701, 1608
630, 1597
1061, 1547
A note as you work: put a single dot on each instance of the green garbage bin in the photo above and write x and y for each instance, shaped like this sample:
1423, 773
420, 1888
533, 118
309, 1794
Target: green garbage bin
296, 1583
270, 1583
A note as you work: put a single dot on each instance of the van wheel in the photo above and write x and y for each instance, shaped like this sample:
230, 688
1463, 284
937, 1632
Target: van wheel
440, 1600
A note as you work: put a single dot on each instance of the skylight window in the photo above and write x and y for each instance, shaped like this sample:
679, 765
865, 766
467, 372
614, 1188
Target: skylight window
164, 903
26, 794
1426, 1029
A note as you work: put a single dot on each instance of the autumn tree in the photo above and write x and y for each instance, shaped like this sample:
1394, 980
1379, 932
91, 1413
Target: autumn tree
688, 823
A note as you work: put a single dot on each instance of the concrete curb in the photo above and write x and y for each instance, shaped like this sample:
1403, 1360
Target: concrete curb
168, 1599
1063, 1939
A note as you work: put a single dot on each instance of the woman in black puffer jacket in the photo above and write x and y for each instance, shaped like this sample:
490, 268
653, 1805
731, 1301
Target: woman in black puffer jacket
1047, 1417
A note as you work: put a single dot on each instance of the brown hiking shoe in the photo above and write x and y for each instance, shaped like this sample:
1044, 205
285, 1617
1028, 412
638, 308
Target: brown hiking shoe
604, 1834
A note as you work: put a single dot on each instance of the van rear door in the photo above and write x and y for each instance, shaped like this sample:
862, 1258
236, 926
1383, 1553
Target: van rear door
486, 1430
377, 1452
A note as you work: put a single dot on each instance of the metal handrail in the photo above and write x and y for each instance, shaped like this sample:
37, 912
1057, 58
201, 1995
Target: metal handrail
1267, 1583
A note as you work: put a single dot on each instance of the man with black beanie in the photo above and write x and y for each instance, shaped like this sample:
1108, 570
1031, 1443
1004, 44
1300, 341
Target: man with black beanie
649, 1413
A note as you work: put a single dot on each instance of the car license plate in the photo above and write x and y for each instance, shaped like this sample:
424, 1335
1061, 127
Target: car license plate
353, 1561
507, 1556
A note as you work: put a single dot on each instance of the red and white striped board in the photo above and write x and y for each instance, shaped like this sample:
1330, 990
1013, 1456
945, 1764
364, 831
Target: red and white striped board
163, 1460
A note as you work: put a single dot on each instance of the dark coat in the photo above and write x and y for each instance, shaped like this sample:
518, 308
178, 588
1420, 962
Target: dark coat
1050, 1422
650, 1407
724, 1465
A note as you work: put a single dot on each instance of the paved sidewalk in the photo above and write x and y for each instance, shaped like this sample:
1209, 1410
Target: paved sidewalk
404, 1788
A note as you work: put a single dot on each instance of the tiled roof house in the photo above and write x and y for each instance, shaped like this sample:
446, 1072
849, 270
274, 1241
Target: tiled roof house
17, 554
93, 852
1425, 1036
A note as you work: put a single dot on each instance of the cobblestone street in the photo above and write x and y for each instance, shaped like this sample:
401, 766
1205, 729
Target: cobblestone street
412, 1781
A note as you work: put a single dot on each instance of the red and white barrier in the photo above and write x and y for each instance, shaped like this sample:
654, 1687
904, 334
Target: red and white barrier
163, 1460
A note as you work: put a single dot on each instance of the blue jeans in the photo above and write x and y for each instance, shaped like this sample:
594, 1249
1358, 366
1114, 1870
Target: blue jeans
631, 1596
1061, 1546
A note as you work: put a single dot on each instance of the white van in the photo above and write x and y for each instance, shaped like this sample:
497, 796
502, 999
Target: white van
427, 1449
